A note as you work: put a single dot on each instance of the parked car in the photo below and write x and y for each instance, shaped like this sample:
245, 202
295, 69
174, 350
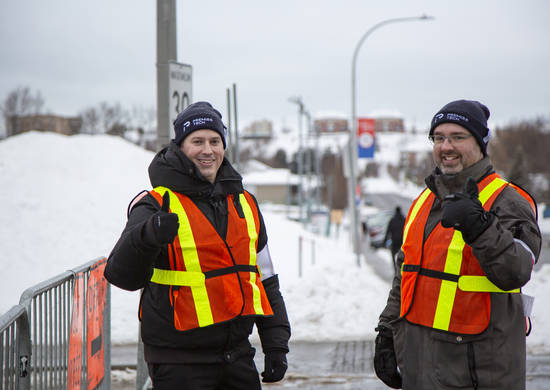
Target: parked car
377, 224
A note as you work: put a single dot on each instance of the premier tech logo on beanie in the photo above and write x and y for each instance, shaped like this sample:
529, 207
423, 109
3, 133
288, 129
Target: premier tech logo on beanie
198, 116
470, 114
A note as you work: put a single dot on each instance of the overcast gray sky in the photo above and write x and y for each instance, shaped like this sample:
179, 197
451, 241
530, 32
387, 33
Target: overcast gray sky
78, 53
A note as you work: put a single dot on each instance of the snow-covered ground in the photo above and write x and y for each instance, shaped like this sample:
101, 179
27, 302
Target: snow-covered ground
64, 203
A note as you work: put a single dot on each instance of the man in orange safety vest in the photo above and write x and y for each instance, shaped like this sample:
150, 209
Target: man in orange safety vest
455, 315
197, 246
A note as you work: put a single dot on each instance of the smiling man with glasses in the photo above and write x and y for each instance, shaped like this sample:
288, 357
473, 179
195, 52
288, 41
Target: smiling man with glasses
455, 316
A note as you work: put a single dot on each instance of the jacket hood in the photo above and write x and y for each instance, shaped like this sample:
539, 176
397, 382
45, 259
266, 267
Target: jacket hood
171, 168
444, 184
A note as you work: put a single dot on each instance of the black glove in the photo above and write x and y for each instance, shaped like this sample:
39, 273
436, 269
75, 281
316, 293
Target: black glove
275, 366
385, 363
162, 227
463, 211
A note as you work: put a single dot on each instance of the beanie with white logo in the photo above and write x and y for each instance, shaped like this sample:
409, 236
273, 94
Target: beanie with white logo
470, 114
198, 116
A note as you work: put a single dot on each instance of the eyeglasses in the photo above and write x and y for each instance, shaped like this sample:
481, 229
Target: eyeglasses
438, 139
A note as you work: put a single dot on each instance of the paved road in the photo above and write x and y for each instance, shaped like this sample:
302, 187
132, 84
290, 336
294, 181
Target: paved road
388, 201
320, 365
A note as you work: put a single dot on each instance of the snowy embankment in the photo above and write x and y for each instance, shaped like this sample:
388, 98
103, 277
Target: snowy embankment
64, 203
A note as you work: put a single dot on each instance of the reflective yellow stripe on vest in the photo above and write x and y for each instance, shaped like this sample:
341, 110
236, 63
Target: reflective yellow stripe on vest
447, 291
177, 278
253, 235
192, 264
453, 262
479, 283
421, 199
490, 189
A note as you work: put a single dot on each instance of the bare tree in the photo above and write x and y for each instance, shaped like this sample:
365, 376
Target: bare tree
90, 120
105, 118
144, 122
335, 193
113, 118
520, 152
20, 101
371, 169
279, 159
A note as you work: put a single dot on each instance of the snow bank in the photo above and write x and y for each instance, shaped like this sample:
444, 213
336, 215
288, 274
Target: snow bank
64, 203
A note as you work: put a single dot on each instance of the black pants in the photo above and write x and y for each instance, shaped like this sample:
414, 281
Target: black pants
240, 374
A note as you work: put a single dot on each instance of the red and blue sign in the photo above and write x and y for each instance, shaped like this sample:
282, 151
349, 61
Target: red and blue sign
365, 137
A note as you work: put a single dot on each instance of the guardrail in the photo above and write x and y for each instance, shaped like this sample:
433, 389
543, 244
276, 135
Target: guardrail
14, 349
59, 335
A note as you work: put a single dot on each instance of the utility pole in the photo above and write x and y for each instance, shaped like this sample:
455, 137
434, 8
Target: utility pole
317, 170
166, 52
229, 137
236, 155
298, 101
309, 166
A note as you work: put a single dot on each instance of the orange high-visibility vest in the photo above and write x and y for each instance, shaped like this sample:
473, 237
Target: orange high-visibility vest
213, 280
443, 286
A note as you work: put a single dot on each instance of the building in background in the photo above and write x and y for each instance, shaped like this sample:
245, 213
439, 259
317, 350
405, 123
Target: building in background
388, 124
53, 123
270, 185
385, 122
327, 125
256, 134
260, 129
388, 121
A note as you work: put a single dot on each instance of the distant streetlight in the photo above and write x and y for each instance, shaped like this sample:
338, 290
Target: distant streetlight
352, 144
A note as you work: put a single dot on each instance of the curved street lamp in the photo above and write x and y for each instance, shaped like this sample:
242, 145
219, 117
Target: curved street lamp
352, 144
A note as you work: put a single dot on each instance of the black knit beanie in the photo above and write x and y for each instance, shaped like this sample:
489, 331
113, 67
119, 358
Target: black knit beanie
198, 116
470, 114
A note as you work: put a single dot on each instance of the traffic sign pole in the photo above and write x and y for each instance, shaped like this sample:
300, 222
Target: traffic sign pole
166, 52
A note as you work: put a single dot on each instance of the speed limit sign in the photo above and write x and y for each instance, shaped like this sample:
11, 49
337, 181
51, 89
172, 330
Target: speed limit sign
180, 88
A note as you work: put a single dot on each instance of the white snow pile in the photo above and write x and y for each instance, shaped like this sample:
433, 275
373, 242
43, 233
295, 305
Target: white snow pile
64, 202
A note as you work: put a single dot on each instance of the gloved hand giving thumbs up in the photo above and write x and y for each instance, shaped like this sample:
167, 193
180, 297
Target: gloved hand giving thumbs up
162, 226
463, 211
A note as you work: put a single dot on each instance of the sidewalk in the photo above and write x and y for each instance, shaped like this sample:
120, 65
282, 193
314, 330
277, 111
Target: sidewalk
326, 365
320, 366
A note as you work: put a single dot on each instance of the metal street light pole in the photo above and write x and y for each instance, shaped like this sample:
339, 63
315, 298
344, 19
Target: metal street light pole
298, 101
352, 144
309, 156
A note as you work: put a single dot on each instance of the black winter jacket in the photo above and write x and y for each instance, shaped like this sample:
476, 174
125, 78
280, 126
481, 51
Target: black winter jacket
394, 231
130, 266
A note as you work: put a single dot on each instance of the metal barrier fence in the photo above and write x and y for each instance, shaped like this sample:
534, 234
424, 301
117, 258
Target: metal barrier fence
301, 242
14, 349
52, 341
143, 381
